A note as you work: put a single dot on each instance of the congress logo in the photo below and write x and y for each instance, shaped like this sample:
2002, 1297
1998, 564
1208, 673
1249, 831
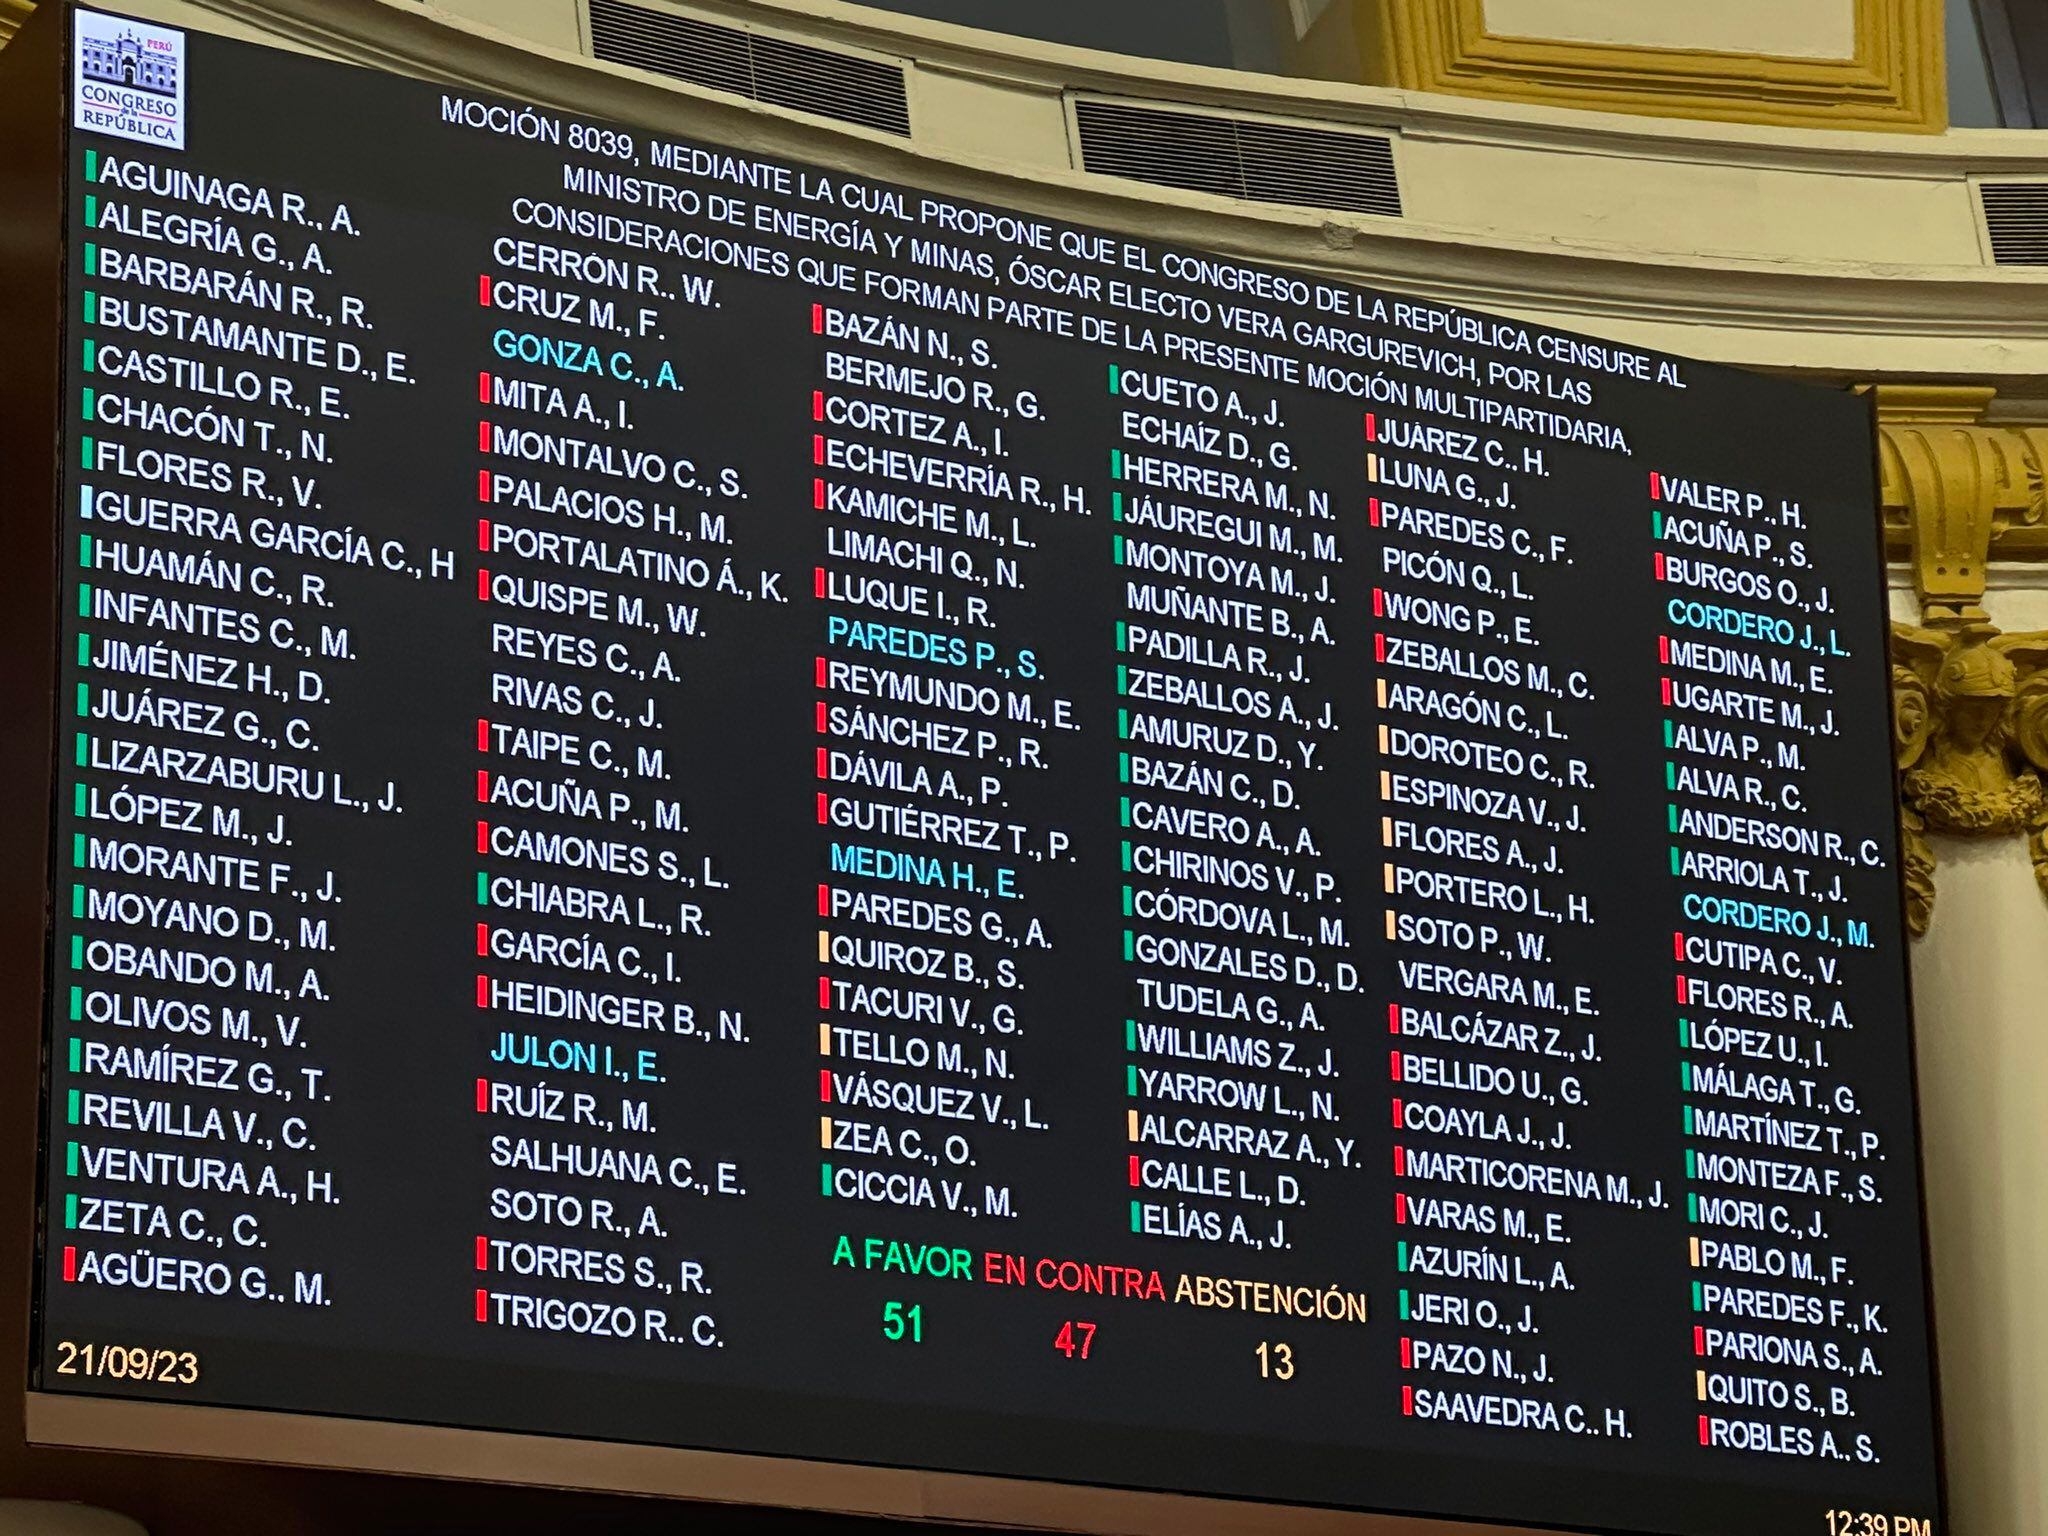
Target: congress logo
128, 79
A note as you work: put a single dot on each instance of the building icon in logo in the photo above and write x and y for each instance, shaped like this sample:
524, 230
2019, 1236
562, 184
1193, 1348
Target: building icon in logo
128, 79
122, 60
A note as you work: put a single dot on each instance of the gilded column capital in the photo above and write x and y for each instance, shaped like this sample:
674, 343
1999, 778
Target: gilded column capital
1956, 490
1959, 488
1970, 742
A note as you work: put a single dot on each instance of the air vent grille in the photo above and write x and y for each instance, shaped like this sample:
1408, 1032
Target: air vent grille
752, 64
2016, 217
1263, 162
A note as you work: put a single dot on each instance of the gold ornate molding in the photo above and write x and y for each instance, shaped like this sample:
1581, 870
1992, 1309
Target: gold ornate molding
1970, 738
1895, 80
12, 14
1969, 702
1958, 491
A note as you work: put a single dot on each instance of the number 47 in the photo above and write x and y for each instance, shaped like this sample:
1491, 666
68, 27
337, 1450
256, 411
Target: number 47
1074, 1339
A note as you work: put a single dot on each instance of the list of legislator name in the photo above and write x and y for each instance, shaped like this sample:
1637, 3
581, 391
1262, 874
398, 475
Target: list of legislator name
709, 802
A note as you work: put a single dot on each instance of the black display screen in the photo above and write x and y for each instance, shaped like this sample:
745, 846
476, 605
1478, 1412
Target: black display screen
706, 802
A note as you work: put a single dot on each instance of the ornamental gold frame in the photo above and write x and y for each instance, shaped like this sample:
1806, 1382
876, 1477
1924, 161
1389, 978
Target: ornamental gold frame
1896, 78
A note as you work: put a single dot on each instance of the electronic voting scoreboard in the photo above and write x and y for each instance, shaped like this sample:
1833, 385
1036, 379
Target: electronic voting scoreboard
704, 802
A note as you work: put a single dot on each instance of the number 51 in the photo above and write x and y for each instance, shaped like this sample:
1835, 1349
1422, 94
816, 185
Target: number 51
899, 1322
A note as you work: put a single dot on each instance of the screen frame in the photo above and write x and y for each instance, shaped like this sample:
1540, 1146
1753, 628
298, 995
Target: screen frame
34, 246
